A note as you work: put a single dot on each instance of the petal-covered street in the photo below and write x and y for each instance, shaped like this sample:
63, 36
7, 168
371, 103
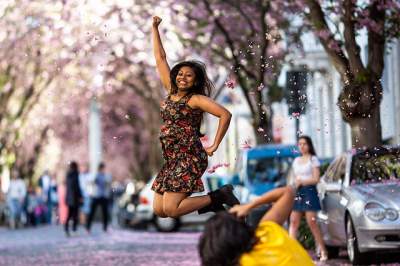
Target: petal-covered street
47, 245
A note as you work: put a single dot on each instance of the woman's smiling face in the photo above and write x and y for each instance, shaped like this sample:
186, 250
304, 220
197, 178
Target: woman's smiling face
303, 146
185, 78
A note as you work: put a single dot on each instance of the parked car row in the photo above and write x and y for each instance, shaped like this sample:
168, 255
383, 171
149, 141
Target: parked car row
138, 210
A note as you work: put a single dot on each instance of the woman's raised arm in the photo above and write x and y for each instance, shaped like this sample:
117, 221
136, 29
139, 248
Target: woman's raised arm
160, 56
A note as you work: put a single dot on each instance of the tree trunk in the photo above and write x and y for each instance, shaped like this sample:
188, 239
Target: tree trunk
367, 132
360, 108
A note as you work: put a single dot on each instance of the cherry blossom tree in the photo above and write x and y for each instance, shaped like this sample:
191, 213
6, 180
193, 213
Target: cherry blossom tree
48, 64
339, 26
244, 37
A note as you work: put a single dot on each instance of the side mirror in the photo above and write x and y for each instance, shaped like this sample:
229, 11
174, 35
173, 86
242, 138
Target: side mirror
333, 187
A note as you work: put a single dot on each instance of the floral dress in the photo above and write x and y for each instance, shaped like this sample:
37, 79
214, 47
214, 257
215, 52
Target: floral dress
184, 155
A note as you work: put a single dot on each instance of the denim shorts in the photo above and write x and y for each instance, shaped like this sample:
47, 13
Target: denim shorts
307, 199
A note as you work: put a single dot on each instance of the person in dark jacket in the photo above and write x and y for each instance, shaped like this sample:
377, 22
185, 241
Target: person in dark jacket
73, 197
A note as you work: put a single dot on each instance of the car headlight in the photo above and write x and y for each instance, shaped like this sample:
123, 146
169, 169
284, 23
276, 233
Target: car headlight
375, 211
391, 214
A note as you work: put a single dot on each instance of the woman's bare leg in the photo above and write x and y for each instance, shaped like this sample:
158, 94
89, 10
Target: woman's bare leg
295, 218
177, 204
158, 207
312, 223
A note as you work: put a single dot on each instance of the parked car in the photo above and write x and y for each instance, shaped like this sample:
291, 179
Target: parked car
141, 211
360, 199
127, 203
259, 170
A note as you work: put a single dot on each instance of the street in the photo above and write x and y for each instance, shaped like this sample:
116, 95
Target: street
47, 245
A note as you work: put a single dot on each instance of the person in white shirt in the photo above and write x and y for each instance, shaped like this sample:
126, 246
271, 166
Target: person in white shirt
85, 182
306, 172
15, 199
45, 188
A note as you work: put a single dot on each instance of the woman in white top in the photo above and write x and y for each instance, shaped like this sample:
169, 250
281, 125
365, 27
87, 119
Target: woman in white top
306, 173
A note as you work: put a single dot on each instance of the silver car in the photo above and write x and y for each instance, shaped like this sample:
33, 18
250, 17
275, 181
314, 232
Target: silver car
360, 199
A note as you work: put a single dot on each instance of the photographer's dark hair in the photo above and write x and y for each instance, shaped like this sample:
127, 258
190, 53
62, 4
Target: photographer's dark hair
310, 144
202, 84
224, 240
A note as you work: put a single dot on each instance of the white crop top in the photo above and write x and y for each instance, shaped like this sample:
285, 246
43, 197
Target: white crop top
304, 170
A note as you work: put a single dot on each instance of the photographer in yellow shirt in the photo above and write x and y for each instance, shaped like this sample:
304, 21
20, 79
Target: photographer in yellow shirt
228, 241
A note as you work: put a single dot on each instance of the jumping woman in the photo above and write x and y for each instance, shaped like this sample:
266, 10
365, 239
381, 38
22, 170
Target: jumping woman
188, 88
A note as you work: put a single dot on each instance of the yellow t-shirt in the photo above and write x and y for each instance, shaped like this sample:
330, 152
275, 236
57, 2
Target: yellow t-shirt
276, 248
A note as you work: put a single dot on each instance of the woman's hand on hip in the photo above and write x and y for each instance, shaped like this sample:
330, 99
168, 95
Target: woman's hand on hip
210, 150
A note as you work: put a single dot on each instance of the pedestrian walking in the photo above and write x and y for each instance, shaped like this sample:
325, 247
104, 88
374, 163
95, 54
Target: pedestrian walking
102, 194
16, 196
85, 181
188, 88
46, 190
73, 197
227, 240
306, 176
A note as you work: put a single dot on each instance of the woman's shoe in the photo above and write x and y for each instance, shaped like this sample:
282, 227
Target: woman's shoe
212, 207
324, 256
221, 196
225, 195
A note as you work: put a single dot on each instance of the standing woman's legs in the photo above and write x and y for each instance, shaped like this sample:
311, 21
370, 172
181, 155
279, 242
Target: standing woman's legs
176, 204
295, 218
311, 218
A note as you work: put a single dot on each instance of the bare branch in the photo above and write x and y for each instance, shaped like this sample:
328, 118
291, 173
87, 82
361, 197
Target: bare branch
352, 48
317, 18
376, 42
228, 40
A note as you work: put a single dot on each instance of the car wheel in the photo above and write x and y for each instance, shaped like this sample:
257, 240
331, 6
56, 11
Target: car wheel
333, 252
355, 256
166, 224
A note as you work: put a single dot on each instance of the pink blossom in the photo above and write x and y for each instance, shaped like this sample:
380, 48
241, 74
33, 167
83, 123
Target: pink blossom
230, 83
295, 114
246, 145
324, 34
333, 44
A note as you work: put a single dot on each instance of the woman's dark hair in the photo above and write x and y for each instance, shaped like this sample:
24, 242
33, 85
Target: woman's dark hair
310, 145
224, 240
73, 167
202, 84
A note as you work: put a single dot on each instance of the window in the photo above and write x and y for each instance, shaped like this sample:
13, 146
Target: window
268, 169
336, 171
376, 166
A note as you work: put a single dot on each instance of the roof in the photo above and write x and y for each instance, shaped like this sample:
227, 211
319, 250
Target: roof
272, 150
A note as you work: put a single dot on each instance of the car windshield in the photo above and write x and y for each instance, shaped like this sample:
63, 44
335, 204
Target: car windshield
376, 167
268, 169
